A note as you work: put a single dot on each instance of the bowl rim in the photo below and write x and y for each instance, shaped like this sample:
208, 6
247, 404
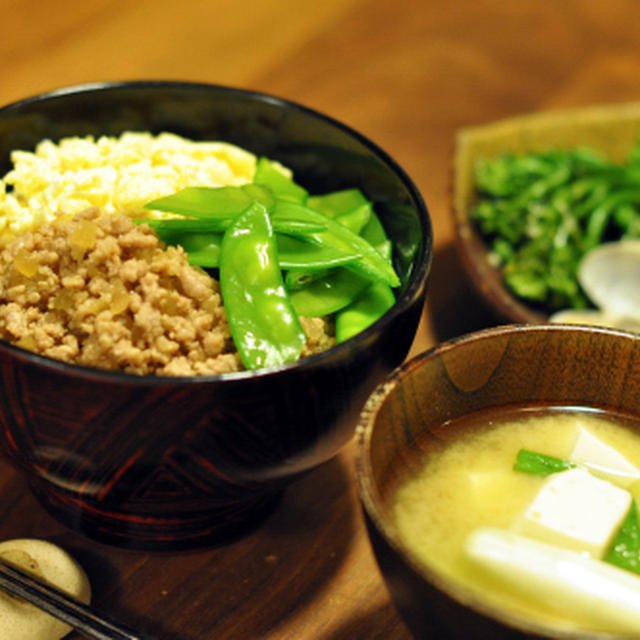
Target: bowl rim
416, 281
371, 500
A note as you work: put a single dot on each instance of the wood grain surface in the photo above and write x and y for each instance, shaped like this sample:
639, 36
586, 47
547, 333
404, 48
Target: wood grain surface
405, 73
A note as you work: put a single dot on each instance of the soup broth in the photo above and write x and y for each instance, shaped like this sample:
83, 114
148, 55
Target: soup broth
468, 481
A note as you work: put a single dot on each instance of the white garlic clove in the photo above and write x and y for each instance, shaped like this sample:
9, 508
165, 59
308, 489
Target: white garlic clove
610, 276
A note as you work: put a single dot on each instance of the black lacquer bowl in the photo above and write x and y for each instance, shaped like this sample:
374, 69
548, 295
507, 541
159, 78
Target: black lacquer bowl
173, 463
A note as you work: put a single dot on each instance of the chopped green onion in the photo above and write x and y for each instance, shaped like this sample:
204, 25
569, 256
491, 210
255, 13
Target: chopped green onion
625, 549
539, 463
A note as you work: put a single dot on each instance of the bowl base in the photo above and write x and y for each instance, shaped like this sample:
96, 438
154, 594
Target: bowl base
203, 527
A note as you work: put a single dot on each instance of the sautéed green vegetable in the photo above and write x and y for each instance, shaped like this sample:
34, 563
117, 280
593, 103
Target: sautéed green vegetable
542, 212
332, 248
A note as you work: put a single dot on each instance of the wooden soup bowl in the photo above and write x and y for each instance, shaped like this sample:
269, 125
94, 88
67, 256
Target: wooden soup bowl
509, 366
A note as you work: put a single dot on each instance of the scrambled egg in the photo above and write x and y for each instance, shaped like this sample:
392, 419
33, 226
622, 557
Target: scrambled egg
116, 174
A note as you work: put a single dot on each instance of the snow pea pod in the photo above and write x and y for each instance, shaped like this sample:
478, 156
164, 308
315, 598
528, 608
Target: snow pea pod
337, 202
296, 279
354, 220
327, 295
370, 263
263, 323
213, 202
370, 305
214, 208
376, 299
335, 291
283, 224
373, 232
203, 249
296, 253
269, 174
350, 208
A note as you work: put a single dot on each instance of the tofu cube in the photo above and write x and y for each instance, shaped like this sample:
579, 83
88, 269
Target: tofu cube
603, 460
575, 510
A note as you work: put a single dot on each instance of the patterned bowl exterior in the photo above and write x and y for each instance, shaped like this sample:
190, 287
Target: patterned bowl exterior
170, 463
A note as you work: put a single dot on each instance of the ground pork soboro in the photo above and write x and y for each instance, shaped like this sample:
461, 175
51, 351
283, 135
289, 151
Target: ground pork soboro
100, 291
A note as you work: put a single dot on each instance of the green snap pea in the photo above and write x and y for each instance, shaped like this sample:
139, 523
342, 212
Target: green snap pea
353, 220
337, 290
337, 202
351, 209
333, 249
213, 202
203, 249
376, 299
281, 185
370, 263
174, 226
327, 295
297, 227
263, 323
368, 307
296, 279
293, 226
373, 232
356, 219
297, 254
214, 209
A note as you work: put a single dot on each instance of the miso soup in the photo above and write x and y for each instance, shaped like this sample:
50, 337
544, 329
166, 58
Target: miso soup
467, 479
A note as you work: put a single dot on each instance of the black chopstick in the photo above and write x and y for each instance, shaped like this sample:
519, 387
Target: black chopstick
61, 606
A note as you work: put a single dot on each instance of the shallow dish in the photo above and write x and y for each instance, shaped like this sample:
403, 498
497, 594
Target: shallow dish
524, 365
611, 129
169, 463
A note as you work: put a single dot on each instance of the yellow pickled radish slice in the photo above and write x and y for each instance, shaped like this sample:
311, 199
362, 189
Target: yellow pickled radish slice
610, 276
20, 620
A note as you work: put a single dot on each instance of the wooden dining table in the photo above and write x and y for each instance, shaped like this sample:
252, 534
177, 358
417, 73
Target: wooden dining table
408, 74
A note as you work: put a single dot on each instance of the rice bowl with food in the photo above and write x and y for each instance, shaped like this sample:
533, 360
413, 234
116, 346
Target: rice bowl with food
112, 257
172, 462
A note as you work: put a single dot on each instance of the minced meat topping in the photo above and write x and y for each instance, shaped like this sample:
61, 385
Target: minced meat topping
100, 291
